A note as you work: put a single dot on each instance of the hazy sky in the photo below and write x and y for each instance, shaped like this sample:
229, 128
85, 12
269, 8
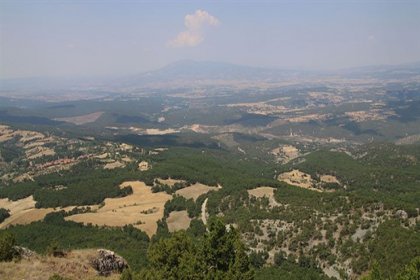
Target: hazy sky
85, 38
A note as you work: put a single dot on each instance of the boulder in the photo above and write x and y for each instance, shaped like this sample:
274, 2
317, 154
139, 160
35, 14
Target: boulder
24, 253
401, 214
107, 262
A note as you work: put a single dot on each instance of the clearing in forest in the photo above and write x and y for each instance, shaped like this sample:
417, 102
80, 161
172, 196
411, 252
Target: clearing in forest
299, 179
264, 192
178, 220
195, 190
142, 209
23, 211
83, 119
329, 179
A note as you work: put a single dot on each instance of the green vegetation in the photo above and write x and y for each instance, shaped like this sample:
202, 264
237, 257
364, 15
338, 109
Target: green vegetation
4, 214
128, 241
7, 241
289, 271
386, 173
219, 254
393, 248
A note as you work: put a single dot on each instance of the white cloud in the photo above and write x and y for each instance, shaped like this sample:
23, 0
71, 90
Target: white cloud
195, 26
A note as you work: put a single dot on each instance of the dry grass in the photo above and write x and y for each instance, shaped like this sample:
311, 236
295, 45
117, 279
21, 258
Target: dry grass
194, 191
74, 266
129, 210
178, 220
83, 119
264, 192
329, 179
286, 153
299, 179
38, 152
156, 131
23, 211
113, 165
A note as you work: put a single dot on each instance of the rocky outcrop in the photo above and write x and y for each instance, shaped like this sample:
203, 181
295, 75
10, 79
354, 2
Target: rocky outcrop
24, 253
107, 262
401, 214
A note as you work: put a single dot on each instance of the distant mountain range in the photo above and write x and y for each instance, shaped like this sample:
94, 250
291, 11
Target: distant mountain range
193, 71
207, 70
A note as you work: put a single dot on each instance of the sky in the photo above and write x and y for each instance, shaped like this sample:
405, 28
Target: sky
115, 38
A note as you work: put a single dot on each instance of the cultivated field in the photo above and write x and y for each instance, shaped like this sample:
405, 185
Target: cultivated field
194, 191
83, 119
299, 179
23, 211
264, 192
141, 209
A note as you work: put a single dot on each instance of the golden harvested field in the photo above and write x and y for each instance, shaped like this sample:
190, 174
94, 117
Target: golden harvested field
113, 165
329, 179
23, 211
132, 209
194, 191
74, 266
178, 220
156, 131
83, 119
299, 179
38, 152
264, 192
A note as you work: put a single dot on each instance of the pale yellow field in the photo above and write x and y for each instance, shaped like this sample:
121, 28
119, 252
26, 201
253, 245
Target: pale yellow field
23, 211
156, 131
178, 220
128, 210
74, 266
113, 165
329, 179
194, 191
39, 152
264, 192
79, 120
299, 179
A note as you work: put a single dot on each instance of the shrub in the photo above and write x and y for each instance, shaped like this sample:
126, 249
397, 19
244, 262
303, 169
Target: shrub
7, 242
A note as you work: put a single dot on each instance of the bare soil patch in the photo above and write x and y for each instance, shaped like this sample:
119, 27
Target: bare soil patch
194, 191
299, 179
113, 165
285, 153
178, 220
329, 179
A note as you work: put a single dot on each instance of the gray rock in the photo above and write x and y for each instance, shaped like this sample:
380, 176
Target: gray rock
24, 253
401, 214
107, 262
